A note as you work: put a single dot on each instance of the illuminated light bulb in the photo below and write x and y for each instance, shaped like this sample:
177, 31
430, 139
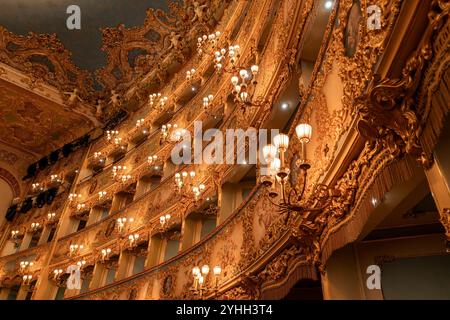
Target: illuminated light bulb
244, 96
234, 80
304, 132
217, 270
254, 68
196, 271
269, 152
205, 269
281, 141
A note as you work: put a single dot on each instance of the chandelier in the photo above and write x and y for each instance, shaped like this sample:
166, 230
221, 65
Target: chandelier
275, 179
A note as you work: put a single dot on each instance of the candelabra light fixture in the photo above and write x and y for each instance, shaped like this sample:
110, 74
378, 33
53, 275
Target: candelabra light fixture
74, 249
56, 179
102, 194
57, 273
132, 240
26, 279
190, 75
185, 186
74, 197
105, 254
119, 174
25, 265
111, 135
201, 286
121, 222
172, 133
81, 263
164, 222
244, 86
35, 226
14, 234
153, 161
157, 101
37, 187
277, 178
140, 124
207, 43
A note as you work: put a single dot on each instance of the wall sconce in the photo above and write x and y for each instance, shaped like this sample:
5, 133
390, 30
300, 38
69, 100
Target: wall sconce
74, 249
102, 194
57, 274
80, 206
207, 43
140, 123
81, 263
56, 179
278, 171
25, 265
172, 133
184, 183
111, 135
37, 187
190, 75
74, 197
105, 254
200, 286
164, 222
121, 223
119, 174
26, 279
161, 101
51, 217
132, 238
152, 159
244, 87
14, 234
35, 226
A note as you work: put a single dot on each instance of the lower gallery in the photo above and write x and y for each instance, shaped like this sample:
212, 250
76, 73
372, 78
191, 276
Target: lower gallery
336, 185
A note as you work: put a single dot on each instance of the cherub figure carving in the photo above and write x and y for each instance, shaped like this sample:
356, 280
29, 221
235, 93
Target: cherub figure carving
99, 108
115, 99
200, 12
175, 41
73, 98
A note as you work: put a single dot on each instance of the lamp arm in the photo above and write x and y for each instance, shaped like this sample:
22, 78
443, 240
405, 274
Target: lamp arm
305, 175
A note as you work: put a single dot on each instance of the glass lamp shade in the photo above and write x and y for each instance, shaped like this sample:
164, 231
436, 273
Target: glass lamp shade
244, 96
195, 271
255, 69
281, 141
269, 152
205, 269
275, 166
234, 80
304, 132
217, 270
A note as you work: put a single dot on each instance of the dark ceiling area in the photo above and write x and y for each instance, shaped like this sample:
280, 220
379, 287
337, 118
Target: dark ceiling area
49, 16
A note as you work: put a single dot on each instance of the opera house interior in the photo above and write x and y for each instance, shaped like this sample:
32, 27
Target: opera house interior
224, 150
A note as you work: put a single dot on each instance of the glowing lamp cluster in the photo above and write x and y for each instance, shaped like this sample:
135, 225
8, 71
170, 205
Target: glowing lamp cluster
184, 183
157, 101
200, 279
207, 41
242, 84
